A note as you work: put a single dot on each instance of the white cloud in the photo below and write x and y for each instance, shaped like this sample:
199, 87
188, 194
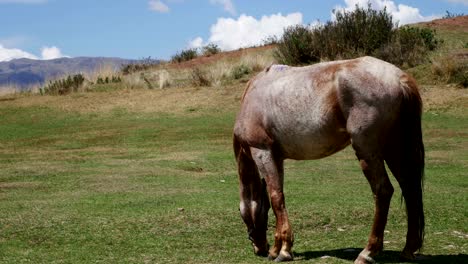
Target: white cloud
50, 53
47, 53
10, 54
158, 6
246, 31
196, 43
403, 14
227, 5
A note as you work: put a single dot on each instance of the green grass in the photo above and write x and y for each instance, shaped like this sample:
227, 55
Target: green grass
136, 187
453, 42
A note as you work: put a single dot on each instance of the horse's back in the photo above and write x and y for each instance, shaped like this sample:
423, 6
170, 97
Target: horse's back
311, 112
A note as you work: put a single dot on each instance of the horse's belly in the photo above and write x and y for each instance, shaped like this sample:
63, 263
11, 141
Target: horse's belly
304, 140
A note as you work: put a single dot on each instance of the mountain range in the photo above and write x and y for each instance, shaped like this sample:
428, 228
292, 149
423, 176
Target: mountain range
25, 73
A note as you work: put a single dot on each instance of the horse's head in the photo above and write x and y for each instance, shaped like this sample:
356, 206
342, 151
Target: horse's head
258, 229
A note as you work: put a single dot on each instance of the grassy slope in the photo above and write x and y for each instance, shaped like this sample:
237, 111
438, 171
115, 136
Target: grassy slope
454, 48
148, 176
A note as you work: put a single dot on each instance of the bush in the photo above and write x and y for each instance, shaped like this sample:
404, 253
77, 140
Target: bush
270, 40
409, 46
240, 71
358, 33
185, 55
141, 65
352, 34
210, 49
363, 31
449, 14
64, 86
200, 78
107, 80
296, 47
451, 70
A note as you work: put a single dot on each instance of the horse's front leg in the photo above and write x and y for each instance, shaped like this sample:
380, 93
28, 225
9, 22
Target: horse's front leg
270, 166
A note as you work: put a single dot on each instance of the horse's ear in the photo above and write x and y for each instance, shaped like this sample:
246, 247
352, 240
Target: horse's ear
267, 69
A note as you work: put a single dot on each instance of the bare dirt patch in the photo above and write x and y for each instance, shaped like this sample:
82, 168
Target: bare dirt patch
203, 60
456, 24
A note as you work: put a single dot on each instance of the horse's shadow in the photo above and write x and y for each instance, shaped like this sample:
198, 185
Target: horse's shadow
387, 256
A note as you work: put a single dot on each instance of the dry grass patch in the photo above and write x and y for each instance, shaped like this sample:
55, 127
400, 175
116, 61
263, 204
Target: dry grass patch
444, 97
174, 100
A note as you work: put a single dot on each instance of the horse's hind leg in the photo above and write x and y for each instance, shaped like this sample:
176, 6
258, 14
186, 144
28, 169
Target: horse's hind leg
270, 167
372, 165
254, 202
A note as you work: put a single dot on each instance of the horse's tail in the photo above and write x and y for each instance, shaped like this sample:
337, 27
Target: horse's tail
412, 161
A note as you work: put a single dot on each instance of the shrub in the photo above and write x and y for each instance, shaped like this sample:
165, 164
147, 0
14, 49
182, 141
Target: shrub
296, 47
107, 80
64, 86
141, 65
185, 55
199, 78
358, 32
449, 14
364, 31
450, 69
240, 71
210, 49
147, 81
270, 40
408, 46
352, 34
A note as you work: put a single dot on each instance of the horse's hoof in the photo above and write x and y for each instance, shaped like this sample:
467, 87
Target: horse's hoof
282, 257
407, 256
261, 252
361, 259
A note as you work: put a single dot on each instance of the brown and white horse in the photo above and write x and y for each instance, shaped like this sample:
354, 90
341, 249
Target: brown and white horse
312, 112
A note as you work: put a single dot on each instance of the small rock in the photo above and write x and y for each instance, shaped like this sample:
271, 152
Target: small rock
324, 257
223, 181
180, 209
341, 229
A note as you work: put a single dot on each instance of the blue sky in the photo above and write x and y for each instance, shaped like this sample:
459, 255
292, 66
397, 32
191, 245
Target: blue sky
45, 29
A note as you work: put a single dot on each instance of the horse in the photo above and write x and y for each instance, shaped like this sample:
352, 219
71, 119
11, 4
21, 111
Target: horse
311, 112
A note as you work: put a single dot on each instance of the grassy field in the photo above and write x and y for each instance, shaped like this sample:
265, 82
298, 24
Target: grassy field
124, 174
149, 177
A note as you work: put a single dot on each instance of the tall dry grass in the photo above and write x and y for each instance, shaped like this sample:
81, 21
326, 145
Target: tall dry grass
227, 70
450, 69
103, 71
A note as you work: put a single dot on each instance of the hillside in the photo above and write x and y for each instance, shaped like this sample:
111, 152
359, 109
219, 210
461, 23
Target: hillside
23, 73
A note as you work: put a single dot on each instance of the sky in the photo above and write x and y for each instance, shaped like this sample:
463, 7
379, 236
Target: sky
48, 29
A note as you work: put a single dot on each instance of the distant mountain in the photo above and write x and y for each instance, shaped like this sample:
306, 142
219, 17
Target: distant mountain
24, 73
